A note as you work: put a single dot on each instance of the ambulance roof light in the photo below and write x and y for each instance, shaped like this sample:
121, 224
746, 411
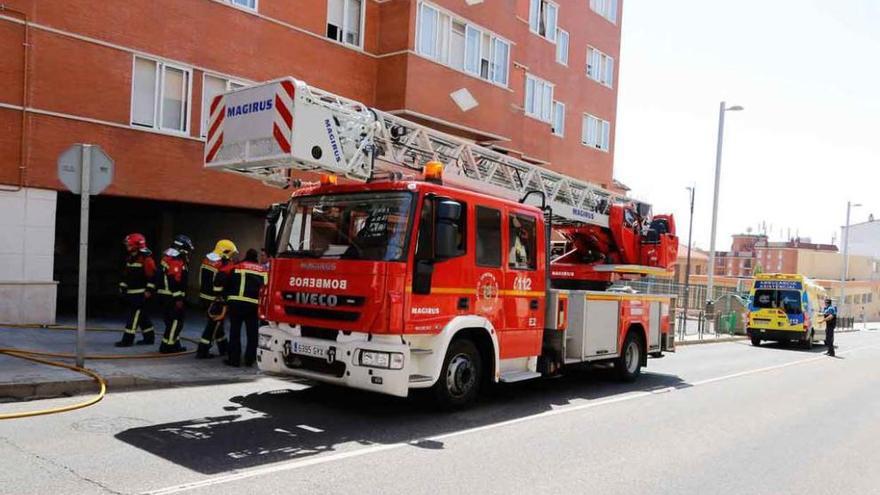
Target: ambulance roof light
328, 180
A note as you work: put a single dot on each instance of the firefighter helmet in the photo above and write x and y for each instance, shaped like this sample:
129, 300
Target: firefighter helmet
135, 242
225, 248
182, 243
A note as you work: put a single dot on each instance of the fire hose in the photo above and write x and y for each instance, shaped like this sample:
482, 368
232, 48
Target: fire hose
39, 357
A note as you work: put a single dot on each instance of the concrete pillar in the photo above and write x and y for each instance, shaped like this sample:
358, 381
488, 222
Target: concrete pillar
27, 253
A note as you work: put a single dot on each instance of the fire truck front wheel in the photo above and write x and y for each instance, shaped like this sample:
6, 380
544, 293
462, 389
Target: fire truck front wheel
460, 378
629, 365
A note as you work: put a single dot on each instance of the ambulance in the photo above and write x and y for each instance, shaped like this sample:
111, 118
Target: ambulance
785, 308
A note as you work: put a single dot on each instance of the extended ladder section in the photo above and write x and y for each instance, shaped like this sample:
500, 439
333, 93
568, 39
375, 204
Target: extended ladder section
267, 131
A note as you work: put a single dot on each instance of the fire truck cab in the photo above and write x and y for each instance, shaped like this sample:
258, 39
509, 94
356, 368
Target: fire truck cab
382, 279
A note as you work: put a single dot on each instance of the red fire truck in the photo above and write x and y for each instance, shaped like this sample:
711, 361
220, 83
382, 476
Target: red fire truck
421, 260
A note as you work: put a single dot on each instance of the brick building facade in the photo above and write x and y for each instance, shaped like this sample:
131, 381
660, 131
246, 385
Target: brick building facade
533, 78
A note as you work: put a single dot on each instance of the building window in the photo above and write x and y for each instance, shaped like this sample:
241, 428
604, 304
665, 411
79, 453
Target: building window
542, 18
596, 133
558, 118
160, 95
600, 67
211, 87
605, 8
562, 46
454, 42
344, 18
539, 98
248, 4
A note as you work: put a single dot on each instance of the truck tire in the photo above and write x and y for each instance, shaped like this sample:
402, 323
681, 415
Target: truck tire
459, 382
756, 341
628, 366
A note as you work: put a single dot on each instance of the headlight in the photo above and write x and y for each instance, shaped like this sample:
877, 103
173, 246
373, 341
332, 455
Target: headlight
378, 359
264, 340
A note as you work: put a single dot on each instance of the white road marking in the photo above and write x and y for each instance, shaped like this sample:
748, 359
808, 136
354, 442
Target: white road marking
299, 464
310, 428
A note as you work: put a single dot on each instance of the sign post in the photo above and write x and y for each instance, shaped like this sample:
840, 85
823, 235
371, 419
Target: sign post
85, 169
86, 157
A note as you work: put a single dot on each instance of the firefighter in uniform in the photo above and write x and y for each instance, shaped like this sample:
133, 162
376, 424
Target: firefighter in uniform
135, 288
173, 274
242, 292
212, 274
830, 316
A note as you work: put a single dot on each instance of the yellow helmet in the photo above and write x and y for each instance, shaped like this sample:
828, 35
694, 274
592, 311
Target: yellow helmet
225, 248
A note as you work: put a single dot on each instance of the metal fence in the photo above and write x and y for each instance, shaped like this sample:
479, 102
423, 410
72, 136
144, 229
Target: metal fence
697, 293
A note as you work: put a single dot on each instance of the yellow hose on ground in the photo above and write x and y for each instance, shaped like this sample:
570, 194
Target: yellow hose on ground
53, 410
31, 355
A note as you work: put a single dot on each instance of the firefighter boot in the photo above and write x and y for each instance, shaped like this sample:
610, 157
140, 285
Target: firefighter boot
204, 351
127, 339
148, 338
222, 346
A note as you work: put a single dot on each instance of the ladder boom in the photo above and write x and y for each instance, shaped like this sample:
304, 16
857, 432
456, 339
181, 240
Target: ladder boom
265, 131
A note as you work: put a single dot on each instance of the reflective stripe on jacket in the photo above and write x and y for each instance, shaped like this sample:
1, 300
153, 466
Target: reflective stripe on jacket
172, 277
212, 275
138, 273
245, 281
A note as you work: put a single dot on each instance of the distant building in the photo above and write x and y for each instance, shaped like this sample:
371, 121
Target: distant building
798, 256
699, 263
740, 260
864, 238
752, 254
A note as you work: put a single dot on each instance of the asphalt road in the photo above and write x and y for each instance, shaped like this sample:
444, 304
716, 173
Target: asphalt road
716, 418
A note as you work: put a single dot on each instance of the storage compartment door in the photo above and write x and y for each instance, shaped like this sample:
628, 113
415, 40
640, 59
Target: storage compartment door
654, 327
601, 328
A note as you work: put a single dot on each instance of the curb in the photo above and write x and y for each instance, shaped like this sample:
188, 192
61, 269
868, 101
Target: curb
15, 392
710, 341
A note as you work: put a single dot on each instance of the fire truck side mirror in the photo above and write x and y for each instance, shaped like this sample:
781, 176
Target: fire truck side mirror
446, 233
270, 240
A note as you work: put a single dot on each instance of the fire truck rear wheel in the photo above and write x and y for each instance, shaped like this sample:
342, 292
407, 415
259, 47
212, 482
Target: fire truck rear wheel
629, 365
460, 378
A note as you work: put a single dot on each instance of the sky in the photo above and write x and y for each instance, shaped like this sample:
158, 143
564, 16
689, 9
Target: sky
807, 73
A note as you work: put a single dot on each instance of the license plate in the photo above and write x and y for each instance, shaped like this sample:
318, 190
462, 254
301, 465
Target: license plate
309, 350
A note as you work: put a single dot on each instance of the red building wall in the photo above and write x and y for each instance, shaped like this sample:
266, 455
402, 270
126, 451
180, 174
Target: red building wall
79, 82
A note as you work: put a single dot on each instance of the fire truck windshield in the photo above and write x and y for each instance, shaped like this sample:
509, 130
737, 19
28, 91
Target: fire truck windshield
361, 226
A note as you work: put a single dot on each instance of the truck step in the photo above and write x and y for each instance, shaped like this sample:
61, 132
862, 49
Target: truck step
518, 376
421, 352
419, 378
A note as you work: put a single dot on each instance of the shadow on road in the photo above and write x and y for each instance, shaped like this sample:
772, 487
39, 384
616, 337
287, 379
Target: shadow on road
287, 424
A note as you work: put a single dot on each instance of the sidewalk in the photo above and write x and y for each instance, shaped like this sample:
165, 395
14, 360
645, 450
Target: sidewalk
22, 379
708, 338
692, 337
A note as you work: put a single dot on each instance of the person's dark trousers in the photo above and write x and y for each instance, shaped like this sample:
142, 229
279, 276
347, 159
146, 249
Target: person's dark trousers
242, 313
829, 339
173, 317
137, 319
213, 333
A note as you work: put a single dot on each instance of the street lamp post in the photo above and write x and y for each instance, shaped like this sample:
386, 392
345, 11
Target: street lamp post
711, 275
687, 269
844, 273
